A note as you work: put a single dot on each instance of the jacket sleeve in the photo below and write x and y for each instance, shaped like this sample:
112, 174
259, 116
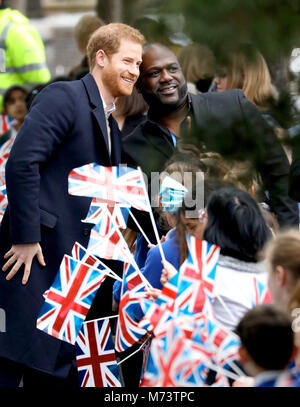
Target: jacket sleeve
272, 163
294, 187
48, 122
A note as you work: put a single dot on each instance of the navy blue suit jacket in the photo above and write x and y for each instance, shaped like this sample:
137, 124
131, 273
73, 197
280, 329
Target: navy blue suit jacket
65, 129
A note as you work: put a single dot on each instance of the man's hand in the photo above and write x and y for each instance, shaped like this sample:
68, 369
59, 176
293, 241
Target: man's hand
22, 254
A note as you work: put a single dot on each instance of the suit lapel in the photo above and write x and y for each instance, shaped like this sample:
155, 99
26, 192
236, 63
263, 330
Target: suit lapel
96, 102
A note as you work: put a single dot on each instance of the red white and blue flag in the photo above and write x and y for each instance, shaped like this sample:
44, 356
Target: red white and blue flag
4, 152
110, 245
222, 343
98, 215
95, 355
6, 122
261, 293
189, 291
3, 200
174, 362
119, 184
133, 289
70, 297
158, 313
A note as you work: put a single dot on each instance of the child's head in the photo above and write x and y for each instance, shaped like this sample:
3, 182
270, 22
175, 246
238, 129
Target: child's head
235, 223
267, 339
283, 256
14, 103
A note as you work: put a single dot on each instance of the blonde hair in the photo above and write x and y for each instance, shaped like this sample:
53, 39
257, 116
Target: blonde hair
247, 69
108, 38
197, 62
240, 174
84, 29
284, 251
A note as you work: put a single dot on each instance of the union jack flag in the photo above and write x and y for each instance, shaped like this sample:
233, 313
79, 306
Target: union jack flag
70, 297
133, 288
159, 312
110, 184
189, 291
6, 123
111, 245
3, 200
174, 362
223, 344
4, 152
261, 293
98, 215
95, 355
196, 277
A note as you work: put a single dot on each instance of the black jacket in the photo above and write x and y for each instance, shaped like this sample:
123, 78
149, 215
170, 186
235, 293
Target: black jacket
294, 189
229, 124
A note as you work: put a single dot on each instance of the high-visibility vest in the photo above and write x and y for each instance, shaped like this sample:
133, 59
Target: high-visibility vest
25, 60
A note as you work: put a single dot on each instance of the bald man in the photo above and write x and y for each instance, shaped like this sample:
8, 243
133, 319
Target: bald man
224, 122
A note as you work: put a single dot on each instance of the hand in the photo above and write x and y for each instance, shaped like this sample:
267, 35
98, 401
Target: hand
167, 272
115, 305
145, 337
152, 293
22, 254
243, 381
151, 245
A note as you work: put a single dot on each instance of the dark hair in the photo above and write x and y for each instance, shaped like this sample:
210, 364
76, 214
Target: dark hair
9, 91
266, 332
208, 185
236, 224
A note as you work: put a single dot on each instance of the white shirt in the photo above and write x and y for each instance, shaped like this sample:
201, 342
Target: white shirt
107, 112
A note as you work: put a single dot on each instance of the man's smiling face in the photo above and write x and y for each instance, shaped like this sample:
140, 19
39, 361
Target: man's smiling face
121, 69
162, 80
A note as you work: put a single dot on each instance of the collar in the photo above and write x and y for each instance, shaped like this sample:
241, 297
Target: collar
107, 110
241, 265
270, 375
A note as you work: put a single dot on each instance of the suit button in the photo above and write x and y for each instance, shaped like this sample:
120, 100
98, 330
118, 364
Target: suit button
86, 232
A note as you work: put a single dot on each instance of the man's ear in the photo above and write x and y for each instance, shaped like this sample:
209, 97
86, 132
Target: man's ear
100, 58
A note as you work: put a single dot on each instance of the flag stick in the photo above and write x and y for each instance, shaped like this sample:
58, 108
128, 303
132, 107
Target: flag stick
139, 226
151, 216
224, 371
100, 319
133, 353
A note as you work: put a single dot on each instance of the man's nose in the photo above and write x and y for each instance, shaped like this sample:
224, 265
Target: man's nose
134, 70
165, 76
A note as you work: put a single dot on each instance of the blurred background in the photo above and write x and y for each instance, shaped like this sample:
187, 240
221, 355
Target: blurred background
271, 25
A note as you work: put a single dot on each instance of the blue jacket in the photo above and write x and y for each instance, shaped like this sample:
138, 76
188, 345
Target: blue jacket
153, 266
65, 129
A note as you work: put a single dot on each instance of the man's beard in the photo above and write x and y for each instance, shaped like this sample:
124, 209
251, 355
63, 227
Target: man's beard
113, 81
157, 108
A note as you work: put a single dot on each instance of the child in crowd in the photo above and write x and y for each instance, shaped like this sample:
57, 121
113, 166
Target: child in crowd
283, 257
14, 109
267, 344
14, 106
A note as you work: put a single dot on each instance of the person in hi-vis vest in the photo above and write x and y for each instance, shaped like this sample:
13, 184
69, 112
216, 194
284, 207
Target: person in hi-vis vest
23, 50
